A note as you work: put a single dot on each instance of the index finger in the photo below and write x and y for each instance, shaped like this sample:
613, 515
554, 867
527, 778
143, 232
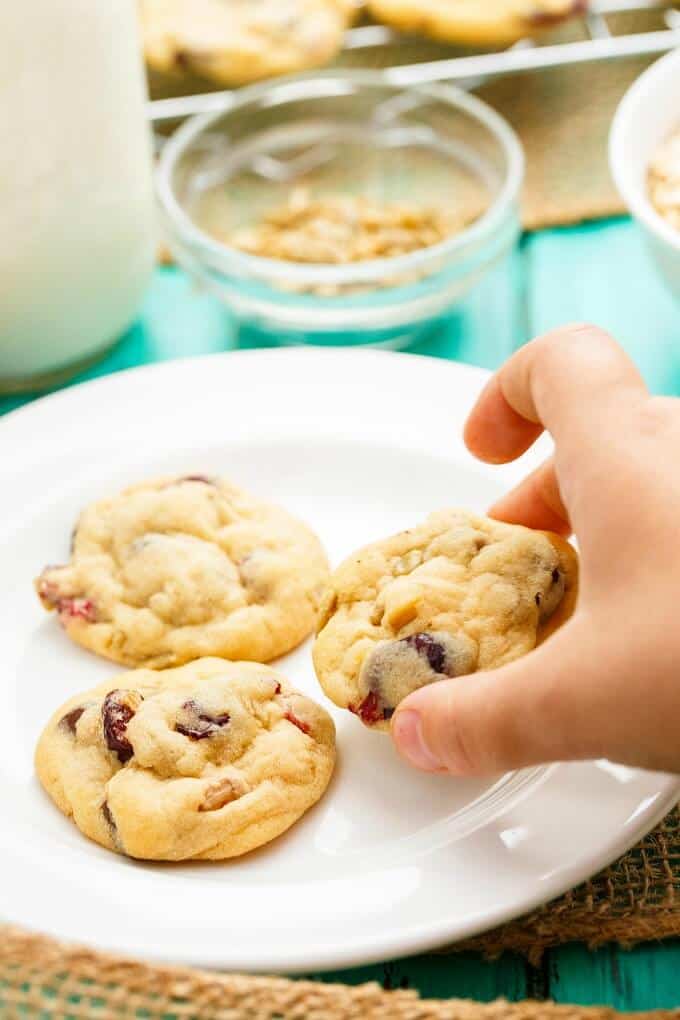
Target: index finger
574, 382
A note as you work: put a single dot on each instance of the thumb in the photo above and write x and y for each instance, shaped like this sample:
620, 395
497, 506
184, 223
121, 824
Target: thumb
543, 707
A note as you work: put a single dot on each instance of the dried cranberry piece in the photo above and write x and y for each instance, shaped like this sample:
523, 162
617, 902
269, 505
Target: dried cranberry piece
296, 721
110, 820
197, 478
428, 646
370, 711
543, 18
68, 606
77, 608
113, 828
70, 720
117, 710
200, 725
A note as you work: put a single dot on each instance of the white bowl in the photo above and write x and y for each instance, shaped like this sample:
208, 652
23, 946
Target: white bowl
648, 112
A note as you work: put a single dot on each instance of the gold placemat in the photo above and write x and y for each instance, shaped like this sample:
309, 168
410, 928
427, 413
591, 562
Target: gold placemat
563, 117
42, 978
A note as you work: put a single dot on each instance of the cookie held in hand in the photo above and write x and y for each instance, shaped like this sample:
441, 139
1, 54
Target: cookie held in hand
178, 568
456, 594
206, 761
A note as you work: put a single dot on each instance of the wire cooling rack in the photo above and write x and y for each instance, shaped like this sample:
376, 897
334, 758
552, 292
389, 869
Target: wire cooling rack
602, 42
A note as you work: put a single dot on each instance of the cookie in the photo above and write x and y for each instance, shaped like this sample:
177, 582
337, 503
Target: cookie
457, 594
206, 761
234, 42
475, 22
178, 568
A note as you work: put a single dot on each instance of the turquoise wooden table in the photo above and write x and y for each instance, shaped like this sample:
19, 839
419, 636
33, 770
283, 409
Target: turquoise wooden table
599, 273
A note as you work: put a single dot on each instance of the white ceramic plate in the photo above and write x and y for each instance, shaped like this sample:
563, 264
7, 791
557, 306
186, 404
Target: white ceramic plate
391, 861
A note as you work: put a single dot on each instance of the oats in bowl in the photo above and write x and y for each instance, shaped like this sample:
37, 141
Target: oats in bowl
342, 228
663, 179
344, 133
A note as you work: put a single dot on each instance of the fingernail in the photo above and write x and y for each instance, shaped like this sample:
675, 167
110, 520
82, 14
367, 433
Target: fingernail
407, 730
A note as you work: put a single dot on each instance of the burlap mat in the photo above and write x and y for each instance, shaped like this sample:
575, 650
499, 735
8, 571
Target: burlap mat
563, 117
42, 978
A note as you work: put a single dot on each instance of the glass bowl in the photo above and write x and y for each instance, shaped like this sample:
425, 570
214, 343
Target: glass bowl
348, 133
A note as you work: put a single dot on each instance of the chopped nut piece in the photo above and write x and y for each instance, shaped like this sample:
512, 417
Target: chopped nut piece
338, 229
223, 792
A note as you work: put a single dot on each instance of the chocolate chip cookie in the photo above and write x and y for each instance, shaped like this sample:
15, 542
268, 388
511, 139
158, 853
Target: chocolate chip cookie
456, 594
206, 761
238, 41
475, 22
178, 568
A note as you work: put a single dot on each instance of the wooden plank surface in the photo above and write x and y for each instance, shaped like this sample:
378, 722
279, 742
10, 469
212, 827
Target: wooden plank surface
600, 273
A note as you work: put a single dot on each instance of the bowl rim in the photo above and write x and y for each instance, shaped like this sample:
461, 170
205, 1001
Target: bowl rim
636, 197
209, 248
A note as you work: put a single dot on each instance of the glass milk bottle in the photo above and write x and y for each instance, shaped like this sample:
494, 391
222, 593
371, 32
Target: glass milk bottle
76, 196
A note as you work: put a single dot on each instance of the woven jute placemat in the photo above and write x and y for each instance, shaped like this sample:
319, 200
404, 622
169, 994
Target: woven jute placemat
41, 978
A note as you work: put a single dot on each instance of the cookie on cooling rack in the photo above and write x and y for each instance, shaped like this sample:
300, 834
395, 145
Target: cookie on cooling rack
234, 42
475, 22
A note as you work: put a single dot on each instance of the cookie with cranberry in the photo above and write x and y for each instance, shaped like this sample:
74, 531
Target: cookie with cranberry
205, 761
178, 568
233, 42
456, 594
476, 22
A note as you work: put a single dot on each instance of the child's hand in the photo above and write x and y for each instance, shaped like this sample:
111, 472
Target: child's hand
608, 683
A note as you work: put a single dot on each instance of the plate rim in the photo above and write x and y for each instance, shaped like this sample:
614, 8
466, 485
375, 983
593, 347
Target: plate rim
408, 939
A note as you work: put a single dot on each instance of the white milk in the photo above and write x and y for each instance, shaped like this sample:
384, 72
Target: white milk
76, 201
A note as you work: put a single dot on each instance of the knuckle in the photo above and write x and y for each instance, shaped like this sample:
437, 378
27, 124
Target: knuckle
579, 339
